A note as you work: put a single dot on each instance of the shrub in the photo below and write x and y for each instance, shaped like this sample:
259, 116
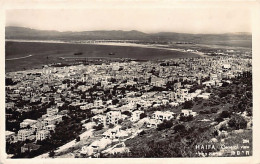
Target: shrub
51, 153
98, 127
179, 128
142, 133
237, 122
186, 118
120, 121
219, 119
127, 113
188, 104
111, 125
164, 125
214, 110
142, 115
215, 133
204, 112
225, 114
78, 139
223, 127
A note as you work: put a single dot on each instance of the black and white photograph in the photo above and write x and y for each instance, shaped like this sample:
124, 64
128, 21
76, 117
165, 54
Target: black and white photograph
142, 82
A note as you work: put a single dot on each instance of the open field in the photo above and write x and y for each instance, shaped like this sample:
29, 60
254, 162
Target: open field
44, 53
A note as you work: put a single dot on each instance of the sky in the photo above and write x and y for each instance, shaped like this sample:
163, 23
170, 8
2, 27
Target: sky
150, 20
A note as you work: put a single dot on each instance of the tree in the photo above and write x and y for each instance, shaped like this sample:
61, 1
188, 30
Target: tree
9, 81
51, 153
127, 113
164, 125
142, 115
78, 139
98, 127
214, 110
111, 125
115, 101
225, 114
186, 118
120, 121
237, 122
188, 104
179, 128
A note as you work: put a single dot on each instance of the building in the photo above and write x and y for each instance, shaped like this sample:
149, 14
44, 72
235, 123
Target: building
52, 120
95, 147
29, 147
152, 123
136, 115
24, 134
50, 127
159, 115
52, 111
99, 119
27, 122
188, 112
98, 103
42, 135
112, 117
9, 136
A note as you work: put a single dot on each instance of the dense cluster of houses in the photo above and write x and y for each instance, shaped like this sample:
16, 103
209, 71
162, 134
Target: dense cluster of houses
73, 84
39, 129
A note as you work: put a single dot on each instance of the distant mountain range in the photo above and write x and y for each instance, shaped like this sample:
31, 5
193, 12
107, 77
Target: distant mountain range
12, 32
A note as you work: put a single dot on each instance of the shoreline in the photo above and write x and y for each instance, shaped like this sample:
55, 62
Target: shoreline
19, 57
153, 46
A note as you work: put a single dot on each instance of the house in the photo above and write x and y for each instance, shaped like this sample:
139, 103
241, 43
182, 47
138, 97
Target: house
42, 135
29, 147
98, 111
112, 117
9, 136
114, 133
165, 101
226, 67
52, 111
89, 125
59, 103
99, 119
204, 96
98, 103
136, 115
159, 115
52, 120
38, 126
27, 122
174, 104
24, 134
50, 127
188, 112
96, 146
152, 123
10, 105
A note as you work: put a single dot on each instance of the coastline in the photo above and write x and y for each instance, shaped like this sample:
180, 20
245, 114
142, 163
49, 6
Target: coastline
153, 46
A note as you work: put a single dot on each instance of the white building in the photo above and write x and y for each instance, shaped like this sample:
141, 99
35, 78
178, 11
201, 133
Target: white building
112, 117
187, 112
27, 122
52, 111
24, 134
42, 135
52, 120
159, 115
136, 115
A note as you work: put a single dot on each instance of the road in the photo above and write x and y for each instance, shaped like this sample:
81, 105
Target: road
68, 145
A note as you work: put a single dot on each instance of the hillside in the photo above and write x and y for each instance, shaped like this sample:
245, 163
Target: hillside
230, 39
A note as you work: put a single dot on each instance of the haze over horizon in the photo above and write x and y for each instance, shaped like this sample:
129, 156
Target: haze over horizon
179, 20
